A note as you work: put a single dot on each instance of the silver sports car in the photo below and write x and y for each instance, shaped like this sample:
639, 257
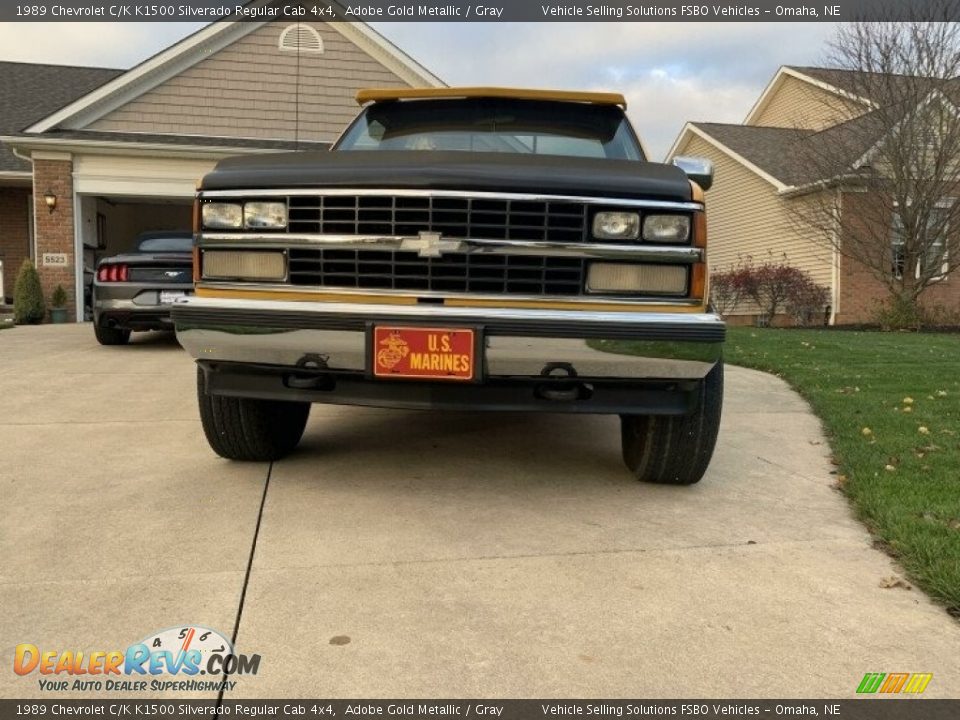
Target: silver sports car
134, 291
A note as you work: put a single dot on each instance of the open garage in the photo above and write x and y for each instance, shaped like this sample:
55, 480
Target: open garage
124, 154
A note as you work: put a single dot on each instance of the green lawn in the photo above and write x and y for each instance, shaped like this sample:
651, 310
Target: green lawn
890, 404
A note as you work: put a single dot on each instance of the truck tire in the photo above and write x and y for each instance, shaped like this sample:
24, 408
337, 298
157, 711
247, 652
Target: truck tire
675, 449
111, 336
250, 429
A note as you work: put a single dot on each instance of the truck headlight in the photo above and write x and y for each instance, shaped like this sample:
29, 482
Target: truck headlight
647, 278
265, 215
223, 215
666, 228
609, 225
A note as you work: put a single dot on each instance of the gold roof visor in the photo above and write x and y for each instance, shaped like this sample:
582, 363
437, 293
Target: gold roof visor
388, 94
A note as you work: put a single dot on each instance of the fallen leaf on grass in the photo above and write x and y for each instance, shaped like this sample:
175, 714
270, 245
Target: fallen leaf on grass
895, 582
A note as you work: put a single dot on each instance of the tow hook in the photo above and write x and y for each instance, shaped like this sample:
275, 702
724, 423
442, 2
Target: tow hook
562, 391
315, 377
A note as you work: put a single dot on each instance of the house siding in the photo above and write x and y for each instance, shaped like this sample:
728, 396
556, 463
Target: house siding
747, 219
798, 104
249, 89
14, 234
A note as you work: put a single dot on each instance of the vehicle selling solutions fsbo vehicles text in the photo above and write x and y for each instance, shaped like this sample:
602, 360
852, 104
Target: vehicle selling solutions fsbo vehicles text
638, 11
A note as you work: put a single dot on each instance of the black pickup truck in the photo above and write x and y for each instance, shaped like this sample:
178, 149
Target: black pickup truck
460, 248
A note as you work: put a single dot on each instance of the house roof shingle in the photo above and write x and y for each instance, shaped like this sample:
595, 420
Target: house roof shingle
31, 91
765, 147
788, 155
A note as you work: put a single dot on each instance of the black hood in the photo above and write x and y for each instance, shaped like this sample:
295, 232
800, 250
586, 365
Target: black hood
443, 170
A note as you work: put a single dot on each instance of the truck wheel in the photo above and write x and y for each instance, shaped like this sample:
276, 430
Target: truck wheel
675, 449
111, 336
250, 429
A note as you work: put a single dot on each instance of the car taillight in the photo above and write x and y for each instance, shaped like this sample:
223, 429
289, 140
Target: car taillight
113, 273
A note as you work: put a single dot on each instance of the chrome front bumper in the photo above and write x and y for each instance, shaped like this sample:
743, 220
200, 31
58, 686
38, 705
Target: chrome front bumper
517, 343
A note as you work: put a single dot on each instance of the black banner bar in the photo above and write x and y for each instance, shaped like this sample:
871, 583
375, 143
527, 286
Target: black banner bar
865, 709
494, 11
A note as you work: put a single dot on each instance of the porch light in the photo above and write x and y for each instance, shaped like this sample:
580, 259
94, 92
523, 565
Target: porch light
50, 199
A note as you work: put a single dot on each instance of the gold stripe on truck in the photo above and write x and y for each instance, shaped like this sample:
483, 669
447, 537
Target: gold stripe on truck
302, 296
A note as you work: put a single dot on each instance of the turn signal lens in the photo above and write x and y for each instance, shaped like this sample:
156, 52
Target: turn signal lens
223, 216
650, 279
243, 265
616, 225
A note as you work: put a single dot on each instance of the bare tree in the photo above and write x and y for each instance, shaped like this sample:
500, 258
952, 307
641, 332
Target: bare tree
881, 182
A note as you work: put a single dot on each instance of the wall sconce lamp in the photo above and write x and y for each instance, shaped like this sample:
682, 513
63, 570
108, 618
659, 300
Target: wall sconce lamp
50, 199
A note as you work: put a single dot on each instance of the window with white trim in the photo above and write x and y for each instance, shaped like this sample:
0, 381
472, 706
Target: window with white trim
300, 38
936, 253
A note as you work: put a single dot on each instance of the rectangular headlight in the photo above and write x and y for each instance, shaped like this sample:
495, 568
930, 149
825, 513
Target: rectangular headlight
666, 228
243, 265
224, 216
653, 279
608, 225
265, 215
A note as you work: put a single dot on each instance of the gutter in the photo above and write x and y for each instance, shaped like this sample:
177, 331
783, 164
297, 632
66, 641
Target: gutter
114, 147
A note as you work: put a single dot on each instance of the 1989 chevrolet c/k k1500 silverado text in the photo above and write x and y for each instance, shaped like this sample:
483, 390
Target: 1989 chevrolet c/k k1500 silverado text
460, 248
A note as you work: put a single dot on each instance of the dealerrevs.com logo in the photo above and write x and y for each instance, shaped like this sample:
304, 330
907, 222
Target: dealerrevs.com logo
187, 658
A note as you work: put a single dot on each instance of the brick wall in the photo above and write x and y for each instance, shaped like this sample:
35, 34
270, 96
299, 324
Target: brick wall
14, 234
861, 292
54, 230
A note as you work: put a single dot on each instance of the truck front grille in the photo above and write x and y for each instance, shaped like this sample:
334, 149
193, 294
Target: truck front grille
454, 272
453, 217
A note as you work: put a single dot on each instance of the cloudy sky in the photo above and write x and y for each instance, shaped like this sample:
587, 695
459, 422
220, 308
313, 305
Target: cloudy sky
670, 72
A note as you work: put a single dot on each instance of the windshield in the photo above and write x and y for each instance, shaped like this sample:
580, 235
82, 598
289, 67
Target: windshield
495, 125
179, 243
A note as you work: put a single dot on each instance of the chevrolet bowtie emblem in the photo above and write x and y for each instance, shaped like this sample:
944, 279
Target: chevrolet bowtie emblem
430, 244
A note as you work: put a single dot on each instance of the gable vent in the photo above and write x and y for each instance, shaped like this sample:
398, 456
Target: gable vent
301, 38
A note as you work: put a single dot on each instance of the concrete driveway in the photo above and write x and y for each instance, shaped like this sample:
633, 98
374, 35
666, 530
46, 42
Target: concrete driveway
404, 554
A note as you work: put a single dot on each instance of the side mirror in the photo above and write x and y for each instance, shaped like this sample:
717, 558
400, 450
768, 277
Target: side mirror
698, 169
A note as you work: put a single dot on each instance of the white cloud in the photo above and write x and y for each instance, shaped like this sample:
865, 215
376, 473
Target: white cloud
670, 72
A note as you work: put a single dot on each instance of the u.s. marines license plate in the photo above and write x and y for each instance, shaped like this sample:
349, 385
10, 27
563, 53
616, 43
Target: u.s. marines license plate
423, 353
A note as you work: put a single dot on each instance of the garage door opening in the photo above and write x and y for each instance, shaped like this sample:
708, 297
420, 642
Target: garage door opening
111, 225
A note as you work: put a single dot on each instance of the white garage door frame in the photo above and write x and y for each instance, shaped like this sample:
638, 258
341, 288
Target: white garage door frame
125, 176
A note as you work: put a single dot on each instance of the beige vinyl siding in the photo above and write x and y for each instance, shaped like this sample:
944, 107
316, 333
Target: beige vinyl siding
798, 104
249, 90
747, 219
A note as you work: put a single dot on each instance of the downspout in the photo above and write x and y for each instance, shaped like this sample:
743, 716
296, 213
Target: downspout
835, 262
33, 209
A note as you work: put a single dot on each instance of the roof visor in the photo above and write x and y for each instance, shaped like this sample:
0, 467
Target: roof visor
388, 94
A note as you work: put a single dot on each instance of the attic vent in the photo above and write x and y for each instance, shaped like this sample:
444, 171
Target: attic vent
301, 37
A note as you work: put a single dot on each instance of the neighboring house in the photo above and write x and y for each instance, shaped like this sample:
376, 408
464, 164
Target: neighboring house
759, 175
117, 153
